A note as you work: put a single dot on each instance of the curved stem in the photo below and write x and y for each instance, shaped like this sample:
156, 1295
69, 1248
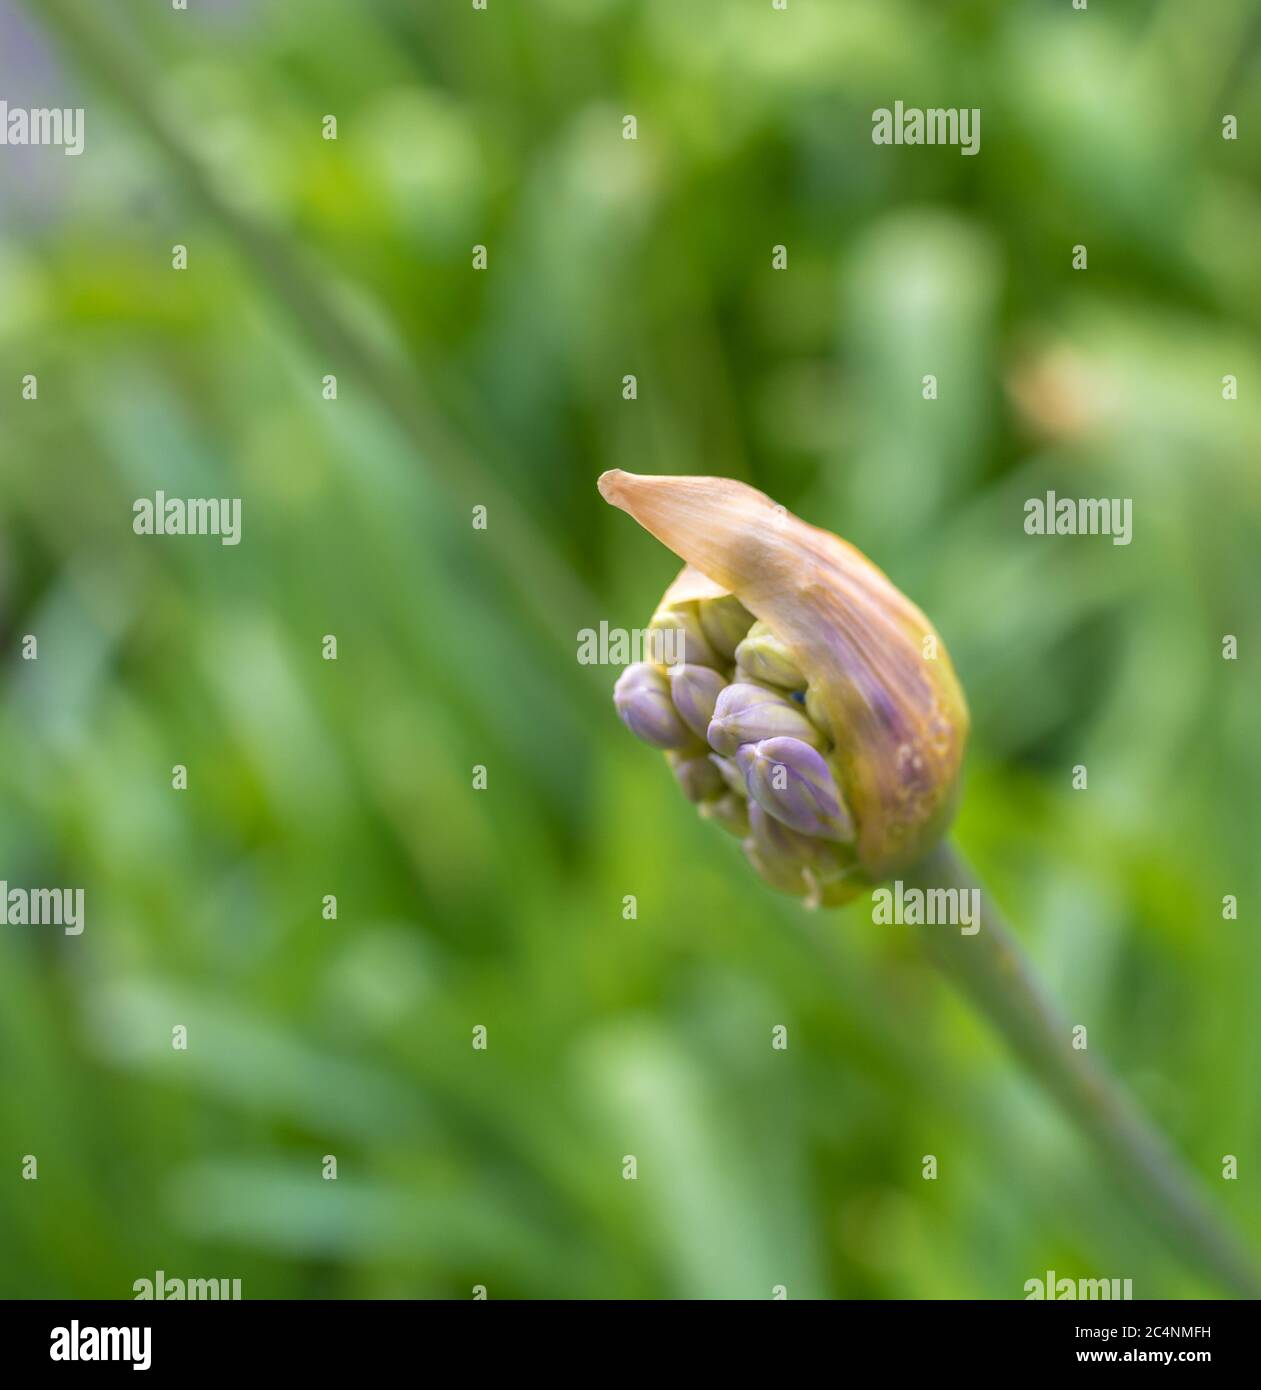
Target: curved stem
992, 970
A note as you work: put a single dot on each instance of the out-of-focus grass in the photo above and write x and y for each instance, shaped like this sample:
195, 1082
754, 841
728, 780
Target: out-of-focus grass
504, 908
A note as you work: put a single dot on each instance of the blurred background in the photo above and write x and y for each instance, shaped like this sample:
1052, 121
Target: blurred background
502, 907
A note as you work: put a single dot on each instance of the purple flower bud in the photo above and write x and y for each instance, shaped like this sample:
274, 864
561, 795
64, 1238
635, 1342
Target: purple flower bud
724, 621
816, 712
731, 774
730, 811
793, 782
695, 691
698, 777
642, 698
763, 657
676, 637
777, 853
815, 870
775, 838
750, 713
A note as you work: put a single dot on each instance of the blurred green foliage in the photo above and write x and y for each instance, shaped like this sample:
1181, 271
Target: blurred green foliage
503, 908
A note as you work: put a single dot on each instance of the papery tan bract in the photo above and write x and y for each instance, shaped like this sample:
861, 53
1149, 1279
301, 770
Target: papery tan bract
889, 699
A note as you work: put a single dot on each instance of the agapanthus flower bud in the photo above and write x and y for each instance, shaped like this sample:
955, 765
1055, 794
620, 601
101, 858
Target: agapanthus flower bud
728, 810
698, 777
642, 698
815, 870
725, 621
792, 782
878, 700
677, 630
695, 691
731, 774
816, 711
763, 657
749, 713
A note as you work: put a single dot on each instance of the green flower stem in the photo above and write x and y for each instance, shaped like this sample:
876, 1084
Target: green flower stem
991, 969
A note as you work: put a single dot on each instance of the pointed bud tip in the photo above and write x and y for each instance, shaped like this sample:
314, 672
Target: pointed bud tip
612, 486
